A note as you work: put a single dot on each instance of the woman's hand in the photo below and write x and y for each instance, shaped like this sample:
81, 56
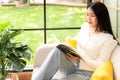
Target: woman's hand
72, 58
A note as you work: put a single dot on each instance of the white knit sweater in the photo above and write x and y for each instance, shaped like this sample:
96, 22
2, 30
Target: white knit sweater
94, 49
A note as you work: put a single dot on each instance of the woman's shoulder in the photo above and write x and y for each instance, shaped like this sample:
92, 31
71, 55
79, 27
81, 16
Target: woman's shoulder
85, 25
106, 37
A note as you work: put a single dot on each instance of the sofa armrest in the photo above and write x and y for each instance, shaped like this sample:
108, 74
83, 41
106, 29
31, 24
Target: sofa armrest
115, 58
41, 54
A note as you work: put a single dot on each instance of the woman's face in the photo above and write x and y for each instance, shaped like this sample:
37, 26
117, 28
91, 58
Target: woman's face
91, 18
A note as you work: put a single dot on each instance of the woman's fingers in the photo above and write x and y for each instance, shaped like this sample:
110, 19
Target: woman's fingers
72, 58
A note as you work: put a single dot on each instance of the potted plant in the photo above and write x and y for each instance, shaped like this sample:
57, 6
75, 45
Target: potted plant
13, 54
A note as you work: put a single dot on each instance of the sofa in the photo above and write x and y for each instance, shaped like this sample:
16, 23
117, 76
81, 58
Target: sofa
43, 50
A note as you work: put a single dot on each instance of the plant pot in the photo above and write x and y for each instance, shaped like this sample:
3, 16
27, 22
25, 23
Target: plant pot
8, 79
12, 76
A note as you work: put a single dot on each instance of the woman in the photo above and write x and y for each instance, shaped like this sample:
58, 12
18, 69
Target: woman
93, 44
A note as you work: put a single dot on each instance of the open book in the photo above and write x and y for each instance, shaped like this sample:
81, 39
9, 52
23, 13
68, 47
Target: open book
66, 49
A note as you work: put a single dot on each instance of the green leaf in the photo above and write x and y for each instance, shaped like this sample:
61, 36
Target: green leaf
13, 54
3, 26
6, 37
17, 64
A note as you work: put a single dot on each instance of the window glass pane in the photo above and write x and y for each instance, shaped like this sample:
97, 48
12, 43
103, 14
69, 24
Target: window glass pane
112, 13
110, 2
119, 19
34, 39
28, 17
62, 16
119, 3
60, 35
119, 24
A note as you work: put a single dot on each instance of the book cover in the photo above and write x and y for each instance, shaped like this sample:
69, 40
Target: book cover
66, 49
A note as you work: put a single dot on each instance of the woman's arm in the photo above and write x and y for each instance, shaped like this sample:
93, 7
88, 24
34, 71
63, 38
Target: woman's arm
104, 55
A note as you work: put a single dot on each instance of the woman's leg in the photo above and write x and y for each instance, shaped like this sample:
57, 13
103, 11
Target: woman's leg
79, 75
55, 60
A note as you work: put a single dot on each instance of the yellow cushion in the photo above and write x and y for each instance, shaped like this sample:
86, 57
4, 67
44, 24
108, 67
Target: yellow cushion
119, 79
103, 72
71, 42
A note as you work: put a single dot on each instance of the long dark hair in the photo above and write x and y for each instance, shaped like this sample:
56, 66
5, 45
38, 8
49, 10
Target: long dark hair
102, 14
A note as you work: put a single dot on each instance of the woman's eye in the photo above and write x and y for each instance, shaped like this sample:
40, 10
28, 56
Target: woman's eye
92, 15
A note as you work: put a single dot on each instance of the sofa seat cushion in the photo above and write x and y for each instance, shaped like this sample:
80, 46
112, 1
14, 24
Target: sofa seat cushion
71, 77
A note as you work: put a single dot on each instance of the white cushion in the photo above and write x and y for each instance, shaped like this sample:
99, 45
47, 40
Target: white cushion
115, 58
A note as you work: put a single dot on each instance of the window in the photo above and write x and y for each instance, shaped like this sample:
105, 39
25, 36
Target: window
35, 31
114, 10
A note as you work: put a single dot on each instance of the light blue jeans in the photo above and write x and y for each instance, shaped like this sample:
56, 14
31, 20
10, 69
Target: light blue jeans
55, 61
